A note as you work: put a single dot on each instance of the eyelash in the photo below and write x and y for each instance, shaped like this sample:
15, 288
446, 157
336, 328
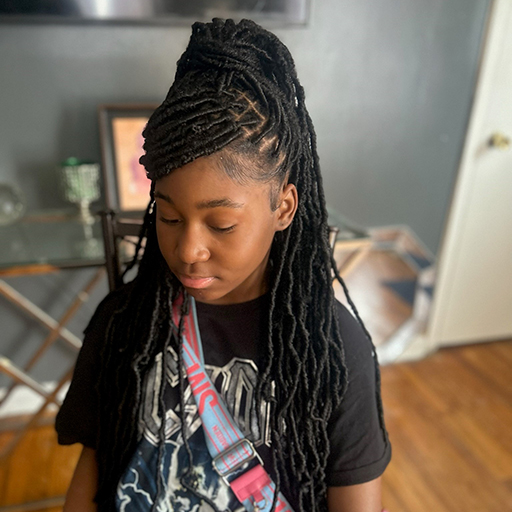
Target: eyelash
174, 222
171, 222
224, 230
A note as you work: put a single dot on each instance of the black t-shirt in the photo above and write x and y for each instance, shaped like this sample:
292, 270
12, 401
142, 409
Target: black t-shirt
359, 445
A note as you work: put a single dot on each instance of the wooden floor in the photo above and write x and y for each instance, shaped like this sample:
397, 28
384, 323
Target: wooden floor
449, 418
388, 258
38, 469
382, 311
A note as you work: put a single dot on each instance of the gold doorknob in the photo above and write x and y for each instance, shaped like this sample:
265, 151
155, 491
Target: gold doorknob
499, 141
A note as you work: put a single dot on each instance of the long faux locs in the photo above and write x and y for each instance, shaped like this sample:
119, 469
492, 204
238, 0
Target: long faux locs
236, 91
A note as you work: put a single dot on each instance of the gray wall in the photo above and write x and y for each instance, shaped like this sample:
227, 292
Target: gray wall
388, 82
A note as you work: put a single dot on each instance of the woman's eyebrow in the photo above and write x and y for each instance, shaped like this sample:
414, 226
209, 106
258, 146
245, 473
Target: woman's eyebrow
165, 197
224, 202
216, 203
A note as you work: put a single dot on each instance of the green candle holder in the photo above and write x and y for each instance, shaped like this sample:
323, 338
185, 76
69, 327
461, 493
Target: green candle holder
80, 185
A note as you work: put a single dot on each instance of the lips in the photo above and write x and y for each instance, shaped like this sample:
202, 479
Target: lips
196, 282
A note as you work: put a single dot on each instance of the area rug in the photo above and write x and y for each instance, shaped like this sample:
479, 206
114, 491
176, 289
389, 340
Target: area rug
406, 289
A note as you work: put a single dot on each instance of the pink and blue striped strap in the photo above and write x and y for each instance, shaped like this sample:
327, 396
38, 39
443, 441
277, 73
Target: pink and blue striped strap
230, 450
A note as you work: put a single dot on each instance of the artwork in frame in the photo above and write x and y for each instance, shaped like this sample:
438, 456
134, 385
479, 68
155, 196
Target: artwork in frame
125, 181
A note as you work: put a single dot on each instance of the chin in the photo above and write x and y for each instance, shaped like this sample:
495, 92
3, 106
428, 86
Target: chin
209, 296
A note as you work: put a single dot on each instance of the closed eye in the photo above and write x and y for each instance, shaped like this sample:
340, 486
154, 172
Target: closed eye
224, 230
172, 222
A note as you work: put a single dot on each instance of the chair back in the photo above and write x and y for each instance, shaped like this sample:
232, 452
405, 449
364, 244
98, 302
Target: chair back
115, 229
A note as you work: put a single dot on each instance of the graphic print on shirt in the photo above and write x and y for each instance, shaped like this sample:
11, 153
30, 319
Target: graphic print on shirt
236, 382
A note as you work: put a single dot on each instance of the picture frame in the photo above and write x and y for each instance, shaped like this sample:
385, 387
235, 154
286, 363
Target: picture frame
125, 183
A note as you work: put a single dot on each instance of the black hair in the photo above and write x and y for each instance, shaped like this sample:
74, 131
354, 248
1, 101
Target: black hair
236, 94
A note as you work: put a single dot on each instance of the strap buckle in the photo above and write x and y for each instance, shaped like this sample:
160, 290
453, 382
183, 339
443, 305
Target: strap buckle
220, 459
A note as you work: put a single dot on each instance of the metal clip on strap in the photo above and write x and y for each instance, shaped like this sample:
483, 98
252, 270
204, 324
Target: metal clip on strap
223, 469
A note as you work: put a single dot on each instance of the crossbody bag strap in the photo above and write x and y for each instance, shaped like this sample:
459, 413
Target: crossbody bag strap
234, 457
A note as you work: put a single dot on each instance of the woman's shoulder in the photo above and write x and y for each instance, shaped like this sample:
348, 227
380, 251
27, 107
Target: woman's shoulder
357, 345
360, 447
360, 354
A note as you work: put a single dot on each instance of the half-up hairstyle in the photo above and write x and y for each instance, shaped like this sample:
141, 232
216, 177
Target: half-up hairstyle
236, 93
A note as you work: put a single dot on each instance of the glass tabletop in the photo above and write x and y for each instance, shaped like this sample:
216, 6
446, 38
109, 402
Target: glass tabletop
58, 239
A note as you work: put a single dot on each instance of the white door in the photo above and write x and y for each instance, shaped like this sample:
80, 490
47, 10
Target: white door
473, 292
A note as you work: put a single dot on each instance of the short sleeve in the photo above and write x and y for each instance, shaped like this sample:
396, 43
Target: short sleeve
77, 420
359, 445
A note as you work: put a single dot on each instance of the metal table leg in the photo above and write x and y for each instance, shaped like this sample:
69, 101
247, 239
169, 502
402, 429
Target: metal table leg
57, 329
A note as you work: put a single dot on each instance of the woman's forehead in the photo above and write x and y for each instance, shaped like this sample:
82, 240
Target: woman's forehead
204, 184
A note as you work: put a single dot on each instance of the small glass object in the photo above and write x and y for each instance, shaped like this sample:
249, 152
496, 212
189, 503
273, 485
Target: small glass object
12, 204
80, 185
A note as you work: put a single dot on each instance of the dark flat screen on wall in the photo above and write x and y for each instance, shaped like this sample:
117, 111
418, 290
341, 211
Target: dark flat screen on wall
279, 12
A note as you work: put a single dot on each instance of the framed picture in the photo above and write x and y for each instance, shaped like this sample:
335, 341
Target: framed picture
126, 185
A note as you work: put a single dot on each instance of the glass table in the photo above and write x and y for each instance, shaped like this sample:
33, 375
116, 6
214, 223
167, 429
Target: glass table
50, 240
43, 243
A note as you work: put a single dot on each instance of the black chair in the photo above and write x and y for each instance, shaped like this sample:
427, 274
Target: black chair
116, 229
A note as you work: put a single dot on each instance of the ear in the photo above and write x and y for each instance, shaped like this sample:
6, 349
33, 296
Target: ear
288, 202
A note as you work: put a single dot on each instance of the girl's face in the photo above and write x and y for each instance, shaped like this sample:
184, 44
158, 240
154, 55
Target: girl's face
215, 234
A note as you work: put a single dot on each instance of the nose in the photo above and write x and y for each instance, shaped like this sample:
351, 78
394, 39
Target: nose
192, 247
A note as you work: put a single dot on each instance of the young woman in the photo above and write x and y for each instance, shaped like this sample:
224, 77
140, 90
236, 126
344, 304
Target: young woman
236, 231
